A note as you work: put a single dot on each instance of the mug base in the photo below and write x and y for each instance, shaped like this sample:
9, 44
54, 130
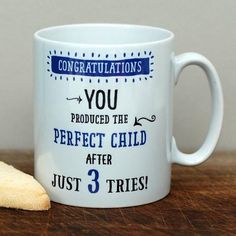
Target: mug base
101, 206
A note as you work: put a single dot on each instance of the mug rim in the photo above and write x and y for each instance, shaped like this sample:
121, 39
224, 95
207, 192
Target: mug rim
39, 35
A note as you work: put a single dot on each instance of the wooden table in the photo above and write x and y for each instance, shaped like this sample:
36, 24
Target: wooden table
202, 202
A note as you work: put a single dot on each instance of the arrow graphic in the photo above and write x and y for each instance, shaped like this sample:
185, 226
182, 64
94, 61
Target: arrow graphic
79, 99
137, 121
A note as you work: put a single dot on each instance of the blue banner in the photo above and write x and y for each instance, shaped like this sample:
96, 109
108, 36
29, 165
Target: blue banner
100, 68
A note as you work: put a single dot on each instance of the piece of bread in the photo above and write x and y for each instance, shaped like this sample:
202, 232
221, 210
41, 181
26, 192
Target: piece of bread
20, 190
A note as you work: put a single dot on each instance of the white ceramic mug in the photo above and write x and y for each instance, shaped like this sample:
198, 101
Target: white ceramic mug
103, 113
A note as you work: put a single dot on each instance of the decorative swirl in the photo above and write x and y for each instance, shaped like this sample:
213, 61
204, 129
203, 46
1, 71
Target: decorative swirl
137, 121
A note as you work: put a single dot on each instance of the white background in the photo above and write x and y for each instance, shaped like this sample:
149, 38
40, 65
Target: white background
207, 27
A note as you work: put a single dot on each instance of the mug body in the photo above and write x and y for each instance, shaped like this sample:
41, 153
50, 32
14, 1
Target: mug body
103, 113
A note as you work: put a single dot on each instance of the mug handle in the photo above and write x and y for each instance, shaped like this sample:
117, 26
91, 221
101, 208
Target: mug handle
181, 61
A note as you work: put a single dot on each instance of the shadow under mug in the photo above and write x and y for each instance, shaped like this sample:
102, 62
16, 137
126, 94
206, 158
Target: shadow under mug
103, 113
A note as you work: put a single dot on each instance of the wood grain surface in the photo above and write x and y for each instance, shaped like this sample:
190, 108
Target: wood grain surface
202, 202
